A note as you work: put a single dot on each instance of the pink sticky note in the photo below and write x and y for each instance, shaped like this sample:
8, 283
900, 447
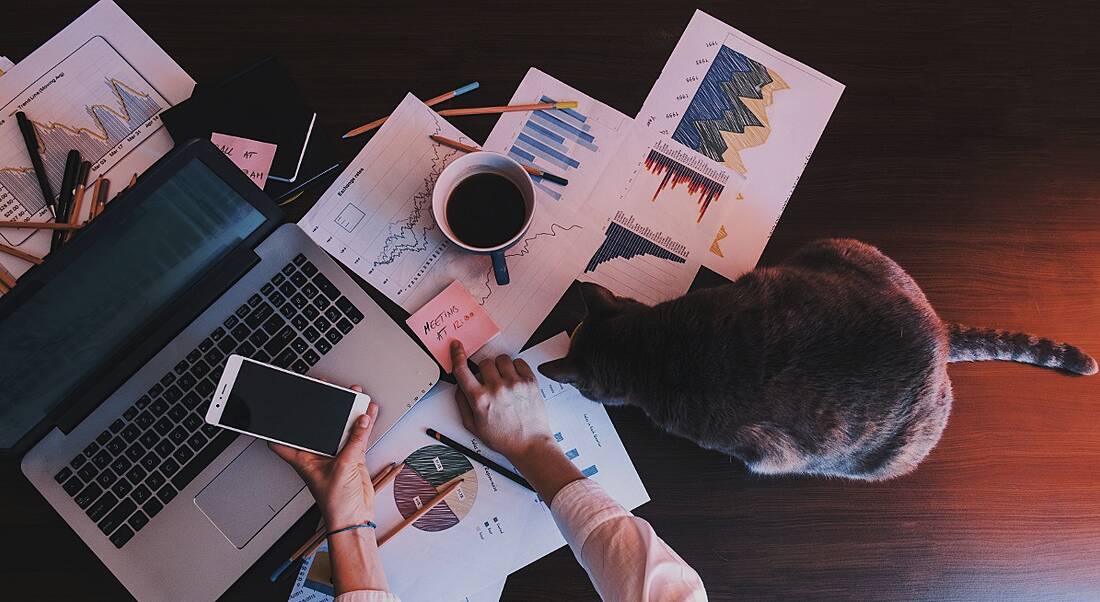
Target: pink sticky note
453, 314
252, 156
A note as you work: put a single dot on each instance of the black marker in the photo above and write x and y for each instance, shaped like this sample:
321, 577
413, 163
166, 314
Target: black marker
65, 198
473, 455
29, 137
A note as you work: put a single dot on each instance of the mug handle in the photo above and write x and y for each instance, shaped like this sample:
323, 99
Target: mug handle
500, 268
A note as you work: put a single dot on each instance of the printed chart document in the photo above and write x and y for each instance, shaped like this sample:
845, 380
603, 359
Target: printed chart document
97, 86
723, 138
377, 219
489, 526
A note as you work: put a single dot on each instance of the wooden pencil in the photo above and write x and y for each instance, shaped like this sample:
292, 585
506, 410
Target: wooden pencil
14, 252
39, 225
3, 288
78, 206
421, 511
95, 198
133, 180
431, 102
6, 277
531, 169
568, 104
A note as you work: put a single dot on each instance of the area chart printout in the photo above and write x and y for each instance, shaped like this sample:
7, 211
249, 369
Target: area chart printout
728, 104
491, 526
377, 219
98, 87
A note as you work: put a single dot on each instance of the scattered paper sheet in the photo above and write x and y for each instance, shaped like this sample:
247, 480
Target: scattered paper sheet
452, 315
251, 156
98, 86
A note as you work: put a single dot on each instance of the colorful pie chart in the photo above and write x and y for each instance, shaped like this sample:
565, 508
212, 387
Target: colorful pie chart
425, 472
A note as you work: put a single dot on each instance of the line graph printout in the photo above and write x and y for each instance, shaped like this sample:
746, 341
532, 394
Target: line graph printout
377, 219
736, 106
97, 86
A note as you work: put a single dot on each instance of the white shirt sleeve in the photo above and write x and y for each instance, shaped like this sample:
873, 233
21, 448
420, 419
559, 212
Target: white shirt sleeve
367, 595
622, 554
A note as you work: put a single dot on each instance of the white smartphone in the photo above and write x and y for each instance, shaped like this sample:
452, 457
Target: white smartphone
284, 407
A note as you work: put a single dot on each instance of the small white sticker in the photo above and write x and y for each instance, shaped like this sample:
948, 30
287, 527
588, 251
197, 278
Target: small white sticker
461, 494
417, 502
438, 464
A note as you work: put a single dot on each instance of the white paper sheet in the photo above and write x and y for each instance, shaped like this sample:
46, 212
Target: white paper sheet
727, 113
98, 86
377, 219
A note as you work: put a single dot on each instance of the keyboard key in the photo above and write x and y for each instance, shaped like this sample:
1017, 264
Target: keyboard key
231, 321
267, 288
227, 345
299, 259
103, 438
259, 338
192, 422
322, 324
241, 312
88, 495
288, 269
121, 536
101, 459
277, 279
150, 460
137, 521
285, 359
166, 493
194, 355
177, 412
117, 445
130, 413
217, 445
102, 506
246, 349
277, 298
311, 357
299, 300
311, 334
172, 394
186, 382
131, 432
122, 487
206, 345
214, 357
78, 461
159, 407
308, 268
310, 291
152, 507
254, 300
155, 480
178, 435
106, 478
63, 475
299, 346
310, 312
326, 286
117, 425
141, 493
298, 278
196, 441
321, 302
149, 438
164, 448
333, 336
288, 310
274, 324
280, 340
322, 346
300, 367
344, 325
333, 314
135, 451
145, 419
169, 467
117, 516
87, 472
260, 356
121, 465
299, 322
183, 454
168, 379
205, 388
287, 289
73, 486
210, 430
191, 400
143, 402
136, 474
163, 426
241, 332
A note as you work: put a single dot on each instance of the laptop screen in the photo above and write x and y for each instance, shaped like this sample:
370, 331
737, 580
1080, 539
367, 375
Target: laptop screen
82, 316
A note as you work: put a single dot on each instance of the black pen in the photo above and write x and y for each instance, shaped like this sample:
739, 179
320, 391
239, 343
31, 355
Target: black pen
469, 453
31, 139
65, 197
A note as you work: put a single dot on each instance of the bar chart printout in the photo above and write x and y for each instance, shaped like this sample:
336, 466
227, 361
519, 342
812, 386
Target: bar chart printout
637, 261
548, 140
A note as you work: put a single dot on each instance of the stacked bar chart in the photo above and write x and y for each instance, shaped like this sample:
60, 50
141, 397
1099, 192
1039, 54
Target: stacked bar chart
627, 239
550, 140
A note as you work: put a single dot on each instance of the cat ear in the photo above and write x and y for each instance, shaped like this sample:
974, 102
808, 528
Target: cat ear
564, 370
598, 300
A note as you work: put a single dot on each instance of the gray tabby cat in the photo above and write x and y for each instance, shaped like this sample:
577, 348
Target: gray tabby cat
832, 363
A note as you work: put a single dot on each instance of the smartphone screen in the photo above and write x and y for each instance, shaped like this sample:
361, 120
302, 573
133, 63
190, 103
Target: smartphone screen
282, 406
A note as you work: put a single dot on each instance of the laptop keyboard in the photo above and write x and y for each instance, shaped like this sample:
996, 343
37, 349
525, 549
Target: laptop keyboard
162, 442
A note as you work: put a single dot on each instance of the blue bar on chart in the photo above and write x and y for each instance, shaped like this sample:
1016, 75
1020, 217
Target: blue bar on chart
548, 140
573, 454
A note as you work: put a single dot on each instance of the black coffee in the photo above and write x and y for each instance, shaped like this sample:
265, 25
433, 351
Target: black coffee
486, 210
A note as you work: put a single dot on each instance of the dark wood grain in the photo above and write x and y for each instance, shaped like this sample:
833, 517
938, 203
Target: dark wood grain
966, 147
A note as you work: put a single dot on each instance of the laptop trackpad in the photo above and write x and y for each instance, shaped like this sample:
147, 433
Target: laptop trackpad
248, 493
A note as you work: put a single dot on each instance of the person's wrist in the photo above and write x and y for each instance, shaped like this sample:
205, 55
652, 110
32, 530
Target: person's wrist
338, 518
537, 450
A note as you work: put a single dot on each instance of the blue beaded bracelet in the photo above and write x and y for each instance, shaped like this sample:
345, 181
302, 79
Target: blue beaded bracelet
366, 525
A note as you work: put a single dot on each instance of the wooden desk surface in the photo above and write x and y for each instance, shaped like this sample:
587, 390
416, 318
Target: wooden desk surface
966, 147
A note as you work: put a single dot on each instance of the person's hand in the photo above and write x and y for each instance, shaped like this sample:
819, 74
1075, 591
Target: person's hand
341, 485
503, 407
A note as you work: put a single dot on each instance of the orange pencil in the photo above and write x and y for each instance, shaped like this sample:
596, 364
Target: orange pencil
568, 104
430, 102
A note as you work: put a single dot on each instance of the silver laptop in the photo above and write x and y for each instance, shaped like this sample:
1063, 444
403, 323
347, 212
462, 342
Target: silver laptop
109, 353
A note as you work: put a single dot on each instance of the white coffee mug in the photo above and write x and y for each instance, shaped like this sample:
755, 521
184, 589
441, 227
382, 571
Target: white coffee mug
477, 163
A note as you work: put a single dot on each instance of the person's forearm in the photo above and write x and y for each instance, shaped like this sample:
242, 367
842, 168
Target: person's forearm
547, 469
356, 564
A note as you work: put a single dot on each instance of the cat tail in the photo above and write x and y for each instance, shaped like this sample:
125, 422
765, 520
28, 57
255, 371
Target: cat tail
969, 344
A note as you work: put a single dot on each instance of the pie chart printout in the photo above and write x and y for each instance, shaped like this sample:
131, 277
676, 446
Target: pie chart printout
425, 472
